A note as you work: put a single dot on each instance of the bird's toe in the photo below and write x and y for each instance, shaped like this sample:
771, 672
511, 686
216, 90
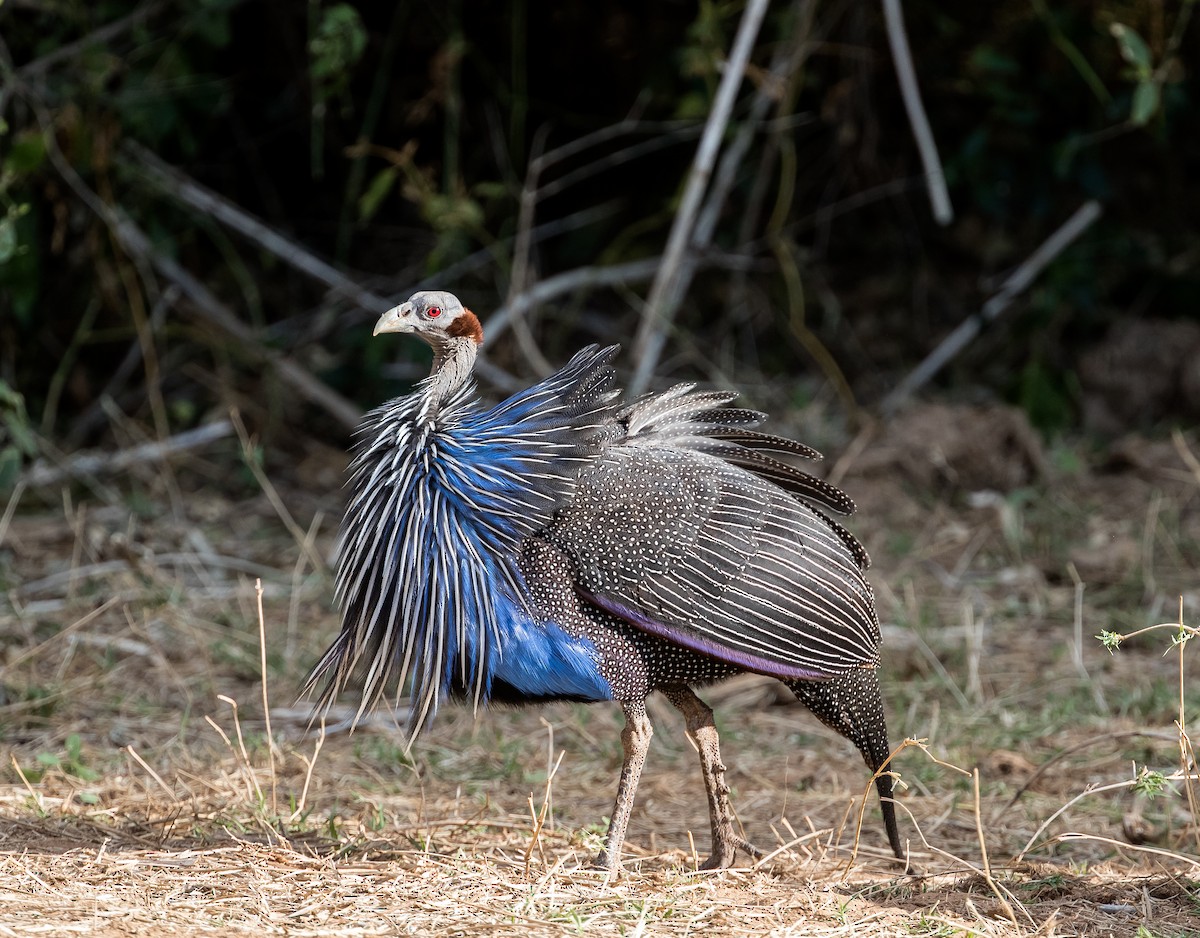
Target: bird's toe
725, 851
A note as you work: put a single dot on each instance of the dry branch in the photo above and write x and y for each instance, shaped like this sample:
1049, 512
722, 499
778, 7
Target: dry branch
666, 291
578, 279
97, 37
935, 177
91, 463
663, 134
1013, 286
178, 184
138, 244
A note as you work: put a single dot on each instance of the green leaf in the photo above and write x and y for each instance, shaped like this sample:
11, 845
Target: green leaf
10, 467
1145, 102
381, 185
26, 154
339, 42
1150, 783
1133, 48
8, 240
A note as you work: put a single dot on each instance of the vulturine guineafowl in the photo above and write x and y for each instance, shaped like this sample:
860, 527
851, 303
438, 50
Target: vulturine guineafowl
561, 546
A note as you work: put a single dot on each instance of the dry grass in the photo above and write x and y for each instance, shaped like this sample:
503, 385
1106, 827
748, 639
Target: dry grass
143, 793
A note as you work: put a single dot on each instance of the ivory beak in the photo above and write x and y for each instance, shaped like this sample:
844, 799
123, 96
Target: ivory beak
397, 319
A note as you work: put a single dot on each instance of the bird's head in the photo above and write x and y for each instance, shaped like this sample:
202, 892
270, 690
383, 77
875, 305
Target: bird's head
433, 315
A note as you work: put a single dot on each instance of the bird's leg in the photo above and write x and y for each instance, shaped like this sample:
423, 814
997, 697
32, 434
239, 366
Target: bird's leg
636, 740
726, 842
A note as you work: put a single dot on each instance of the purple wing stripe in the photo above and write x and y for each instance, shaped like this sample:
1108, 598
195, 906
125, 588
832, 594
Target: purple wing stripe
703, 645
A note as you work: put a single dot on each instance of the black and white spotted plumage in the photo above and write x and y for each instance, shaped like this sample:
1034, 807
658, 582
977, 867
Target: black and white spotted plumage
561, 546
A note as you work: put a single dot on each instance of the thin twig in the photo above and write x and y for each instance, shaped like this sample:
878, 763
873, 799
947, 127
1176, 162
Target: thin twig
178, 184
252, 779
94, 415
133, 754
1187, 755
1089, 790
309, 765
1122, 845
37, 798
983, 854
1071, 750
104, 34
935, 176
11, 508
522, 258
1013, 286
1077, 644
75, 626
665, 294
262, 668
252, 463
885, 769
138, 244
1013, 901
539, 817
578, 279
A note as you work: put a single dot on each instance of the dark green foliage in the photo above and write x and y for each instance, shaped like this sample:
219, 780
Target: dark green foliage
396, 138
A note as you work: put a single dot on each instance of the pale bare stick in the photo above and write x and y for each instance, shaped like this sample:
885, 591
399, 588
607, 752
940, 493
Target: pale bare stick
11, 508
663, 301
522, 280
1124, 845
983, 854
97, 37
138, 245
1086, 744
539, 816
578, 279
178, 184
91, 463
1077, 644
298, 535
251, 780
522, 256
309, 765
1090, 790
935, 177
262, 668
885, 769
1012, 287
133, 754
70, 630
33, 793
95, 413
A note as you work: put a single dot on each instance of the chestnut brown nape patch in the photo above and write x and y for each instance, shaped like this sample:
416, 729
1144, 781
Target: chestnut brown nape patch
466, 326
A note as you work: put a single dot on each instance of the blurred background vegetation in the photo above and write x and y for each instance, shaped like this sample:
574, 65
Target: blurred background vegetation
397, 144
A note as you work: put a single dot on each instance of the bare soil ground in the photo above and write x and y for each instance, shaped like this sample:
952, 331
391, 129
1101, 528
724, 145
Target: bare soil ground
139, 795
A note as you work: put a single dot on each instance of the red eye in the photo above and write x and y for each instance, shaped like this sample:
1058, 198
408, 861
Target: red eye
433, 312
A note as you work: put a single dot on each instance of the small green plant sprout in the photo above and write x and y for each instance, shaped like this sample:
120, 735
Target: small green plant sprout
1149, 783
1147, 76
70, 761
1182, 633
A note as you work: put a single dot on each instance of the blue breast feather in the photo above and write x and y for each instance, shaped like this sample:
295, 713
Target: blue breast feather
428, 582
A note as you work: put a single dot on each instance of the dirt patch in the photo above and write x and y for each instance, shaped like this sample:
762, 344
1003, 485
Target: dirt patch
140, 794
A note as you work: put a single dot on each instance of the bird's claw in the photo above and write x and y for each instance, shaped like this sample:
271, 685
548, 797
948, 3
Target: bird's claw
725, 851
